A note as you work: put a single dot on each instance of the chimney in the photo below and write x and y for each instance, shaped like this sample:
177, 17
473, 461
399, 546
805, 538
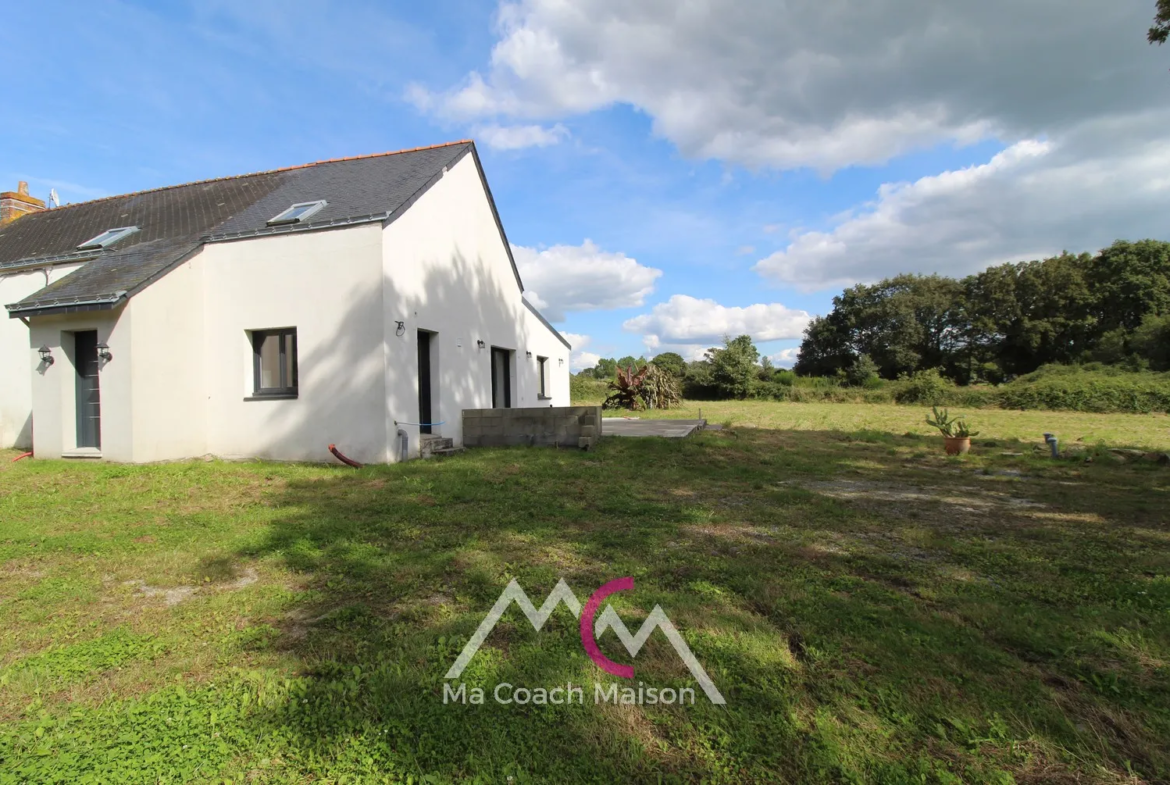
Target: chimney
14, 204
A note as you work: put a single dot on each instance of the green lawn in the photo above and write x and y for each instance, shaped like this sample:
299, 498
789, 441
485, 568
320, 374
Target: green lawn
872, 611
1151, 431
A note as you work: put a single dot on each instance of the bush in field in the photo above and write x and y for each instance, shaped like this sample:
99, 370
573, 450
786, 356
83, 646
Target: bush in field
584, 389
927, 388
863, 373
1090, 388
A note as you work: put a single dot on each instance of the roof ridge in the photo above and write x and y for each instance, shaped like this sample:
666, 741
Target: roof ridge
266, 171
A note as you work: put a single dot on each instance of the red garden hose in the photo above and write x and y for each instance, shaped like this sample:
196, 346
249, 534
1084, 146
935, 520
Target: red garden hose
347, 461
25, 455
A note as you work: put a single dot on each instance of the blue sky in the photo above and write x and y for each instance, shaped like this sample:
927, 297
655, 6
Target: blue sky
669, 172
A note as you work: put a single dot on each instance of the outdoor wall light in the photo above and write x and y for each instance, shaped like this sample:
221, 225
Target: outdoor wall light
560, 361
103, 350
47, 355
480, 344
528, 355
400, 329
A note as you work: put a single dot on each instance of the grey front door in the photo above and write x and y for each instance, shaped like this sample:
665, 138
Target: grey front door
501, 379
89, 399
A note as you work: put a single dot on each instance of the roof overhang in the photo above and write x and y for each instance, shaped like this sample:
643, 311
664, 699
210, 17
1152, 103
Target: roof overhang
64, 305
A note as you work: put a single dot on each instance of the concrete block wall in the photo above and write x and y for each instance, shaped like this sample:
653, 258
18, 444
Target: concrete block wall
561, 426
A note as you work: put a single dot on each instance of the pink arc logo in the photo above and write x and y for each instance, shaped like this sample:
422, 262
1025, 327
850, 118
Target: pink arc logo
592, 626
587, 638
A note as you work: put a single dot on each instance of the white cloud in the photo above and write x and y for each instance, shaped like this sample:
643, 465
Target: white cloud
568, 278
517, 137
821, 84
690, 326
785, 358
1079, 192
579, 359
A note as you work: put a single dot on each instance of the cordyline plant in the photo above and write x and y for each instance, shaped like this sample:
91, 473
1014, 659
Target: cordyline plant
954, 427
626, 389
646, 387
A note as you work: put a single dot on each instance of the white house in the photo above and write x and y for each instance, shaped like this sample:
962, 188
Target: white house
361, 302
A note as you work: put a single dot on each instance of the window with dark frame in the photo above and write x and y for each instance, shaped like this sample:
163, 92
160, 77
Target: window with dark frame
274, 363
542, 369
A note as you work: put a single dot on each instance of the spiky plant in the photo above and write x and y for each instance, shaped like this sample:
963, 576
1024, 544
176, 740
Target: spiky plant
627, 388
660, 389
955, 427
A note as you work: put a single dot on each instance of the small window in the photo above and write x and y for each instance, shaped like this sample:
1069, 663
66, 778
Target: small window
274, 363
297, 213
542, 369
108, 237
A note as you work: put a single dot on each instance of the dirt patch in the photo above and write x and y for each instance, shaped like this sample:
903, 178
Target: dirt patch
965, 498
172, 597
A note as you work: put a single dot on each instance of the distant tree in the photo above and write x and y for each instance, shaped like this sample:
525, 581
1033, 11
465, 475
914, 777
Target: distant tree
733, 368
672, 363
766, 370
606, 368
827, 345
1151, 342
1161, 29
1130, 281
630, 360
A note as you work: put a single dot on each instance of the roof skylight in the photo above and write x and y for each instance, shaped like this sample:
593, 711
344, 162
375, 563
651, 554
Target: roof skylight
298, 212
108, 237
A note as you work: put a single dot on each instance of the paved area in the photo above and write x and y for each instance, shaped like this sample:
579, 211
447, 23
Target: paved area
671, 429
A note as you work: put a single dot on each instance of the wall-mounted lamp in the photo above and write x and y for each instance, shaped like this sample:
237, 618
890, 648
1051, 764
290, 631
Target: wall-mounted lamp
400, 329
528, 355
480, 344
560, 361
47, 355
103, 350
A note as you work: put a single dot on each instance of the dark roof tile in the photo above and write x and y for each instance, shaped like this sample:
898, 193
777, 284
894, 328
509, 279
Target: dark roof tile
174, 221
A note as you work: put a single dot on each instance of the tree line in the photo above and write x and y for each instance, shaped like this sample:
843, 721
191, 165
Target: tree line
1009, 320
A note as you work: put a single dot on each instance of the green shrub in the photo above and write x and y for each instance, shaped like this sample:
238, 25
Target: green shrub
926, 388
586, 391
1089, 388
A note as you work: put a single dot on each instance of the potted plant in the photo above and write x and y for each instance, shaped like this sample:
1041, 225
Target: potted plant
956, 433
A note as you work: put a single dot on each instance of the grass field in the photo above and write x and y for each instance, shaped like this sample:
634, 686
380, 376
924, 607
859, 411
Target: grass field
1151, 431
872, 611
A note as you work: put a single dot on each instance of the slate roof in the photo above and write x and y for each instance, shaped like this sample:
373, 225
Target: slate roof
176, 221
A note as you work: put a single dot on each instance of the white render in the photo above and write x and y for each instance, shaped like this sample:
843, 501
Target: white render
16, 367
178, 382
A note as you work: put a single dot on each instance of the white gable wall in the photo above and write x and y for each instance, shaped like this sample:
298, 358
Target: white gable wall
447, 271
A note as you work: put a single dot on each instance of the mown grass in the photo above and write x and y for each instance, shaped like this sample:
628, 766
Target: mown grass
1150, 431
872, 611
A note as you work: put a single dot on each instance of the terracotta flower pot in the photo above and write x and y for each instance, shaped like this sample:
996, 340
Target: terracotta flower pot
958, 445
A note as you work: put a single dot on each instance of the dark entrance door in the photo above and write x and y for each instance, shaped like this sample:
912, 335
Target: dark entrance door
424, 381
501, 379
89, 399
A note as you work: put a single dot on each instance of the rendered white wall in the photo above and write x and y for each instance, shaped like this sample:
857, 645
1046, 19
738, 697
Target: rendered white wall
447, 270
326, 284
17, 363
168, 366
